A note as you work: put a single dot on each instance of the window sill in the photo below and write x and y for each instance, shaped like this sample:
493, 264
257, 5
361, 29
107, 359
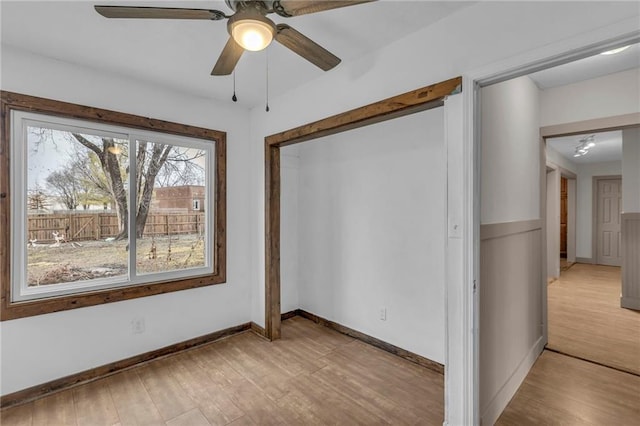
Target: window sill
17, 310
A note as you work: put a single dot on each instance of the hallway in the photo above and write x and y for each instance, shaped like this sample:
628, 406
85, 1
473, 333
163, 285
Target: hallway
586, 321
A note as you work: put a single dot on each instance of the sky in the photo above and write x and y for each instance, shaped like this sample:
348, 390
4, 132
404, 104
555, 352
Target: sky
50, 150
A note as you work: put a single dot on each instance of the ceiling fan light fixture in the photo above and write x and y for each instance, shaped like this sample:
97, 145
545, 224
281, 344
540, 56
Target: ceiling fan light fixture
252, 35
251, 29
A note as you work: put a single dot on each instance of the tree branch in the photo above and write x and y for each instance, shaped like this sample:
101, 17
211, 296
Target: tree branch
93, 147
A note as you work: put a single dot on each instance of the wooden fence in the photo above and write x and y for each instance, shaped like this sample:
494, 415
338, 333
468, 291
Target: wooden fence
98, 226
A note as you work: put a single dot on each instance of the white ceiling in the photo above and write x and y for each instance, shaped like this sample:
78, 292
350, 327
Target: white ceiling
588, 68
180, 54
608, 147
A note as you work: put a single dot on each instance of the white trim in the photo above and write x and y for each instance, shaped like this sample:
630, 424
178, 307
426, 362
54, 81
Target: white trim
20, 121
458, 366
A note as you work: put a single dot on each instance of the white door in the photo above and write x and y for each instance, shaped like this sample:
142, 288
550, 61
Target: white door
608, 226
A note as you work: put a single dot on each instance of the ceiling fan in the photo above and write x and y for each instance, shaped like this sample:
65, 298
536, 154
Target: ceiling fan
249, 28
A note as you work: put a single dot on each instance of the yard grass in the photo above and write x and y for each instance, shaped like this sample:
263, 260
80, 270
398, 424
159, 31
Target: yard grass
100, 259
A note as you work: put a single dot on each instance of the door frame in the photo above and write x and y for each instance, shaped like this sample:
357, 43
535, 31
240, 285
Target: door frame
617, 122
578, 47
418, 100
572, 214
571, 207
595, 214
551, 220
422, 99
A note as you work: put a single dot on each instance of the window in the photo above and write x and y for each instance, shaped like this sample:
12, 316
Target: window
105, 209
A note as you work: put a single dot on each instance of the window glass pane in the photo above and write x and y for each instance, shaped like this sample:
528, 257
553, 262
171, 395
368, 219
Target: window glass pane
77, 190
171, 189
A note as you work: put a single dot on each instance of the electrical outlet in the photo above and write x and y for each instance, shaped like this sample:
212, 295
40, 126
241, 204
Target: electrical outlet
383, 314
137, 325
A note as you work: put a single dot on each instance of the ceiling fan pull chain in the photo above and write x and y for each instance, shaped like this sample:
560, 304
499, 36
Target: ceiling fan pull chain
267, 108
234, 98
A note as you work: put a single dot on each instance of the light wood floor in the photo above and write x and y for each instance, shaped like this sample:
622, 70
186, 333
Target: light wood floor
562, 390
586, 320
312, 376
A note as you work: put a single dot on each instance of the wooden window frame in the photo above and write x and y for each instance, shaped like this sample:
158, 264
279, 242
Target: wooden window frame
19, 102
422, 99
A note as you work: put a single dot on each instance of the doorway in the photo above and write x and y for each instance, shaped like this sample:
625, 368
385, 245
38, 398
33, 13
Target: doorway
568, 198
502, 154
584, 316
560, 219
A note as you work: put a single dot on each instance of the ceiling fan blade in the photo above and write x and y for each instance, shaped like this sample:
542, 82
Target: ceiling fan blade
303, 7
305, 47
158, 13
228, 58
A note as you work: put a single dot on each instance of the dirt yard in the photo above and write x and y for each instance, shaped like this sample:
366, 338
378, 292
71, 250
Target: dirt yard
103, 259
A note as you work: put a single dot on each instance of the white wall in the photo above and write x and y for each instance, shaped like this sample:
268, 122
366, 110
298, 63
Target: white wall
630, 225
47, 347
607, 96
631, 170
584, 229
372, 230
556, 158
289, 252
510, 152
511, 281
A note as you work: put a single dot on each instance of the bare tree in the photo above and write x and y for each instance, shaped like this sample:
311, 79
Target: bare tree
150, 158
91, 178
37, 199
182, 168
149, 161
102, 171
107, 154
65, 185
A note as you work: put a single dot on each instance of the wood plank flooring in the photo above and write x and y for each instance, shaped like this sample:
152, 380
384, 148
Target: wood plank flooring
562, 390
313, 375
586, 320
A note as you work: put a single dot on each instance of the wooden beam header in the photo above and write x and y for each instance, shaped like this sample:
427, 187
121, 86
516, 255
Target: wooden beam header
417, 100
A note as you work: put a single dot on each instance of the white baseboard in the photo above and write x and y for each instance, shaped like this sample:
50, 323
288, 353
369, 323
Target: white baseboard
506, 392
630, 303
